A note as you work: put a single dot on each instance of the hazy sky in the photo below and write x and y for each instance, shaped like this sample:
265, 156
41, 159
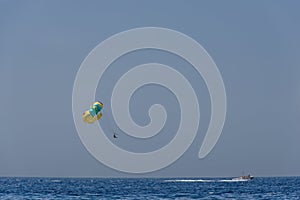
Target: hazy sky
255, 45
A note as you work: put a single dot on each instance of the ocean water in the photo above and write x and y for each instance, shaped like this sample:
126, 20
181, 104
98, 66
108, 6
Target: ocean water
148, 188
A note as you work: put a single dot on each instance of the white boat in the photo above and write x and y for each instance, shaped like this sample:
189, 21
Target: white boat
243, 178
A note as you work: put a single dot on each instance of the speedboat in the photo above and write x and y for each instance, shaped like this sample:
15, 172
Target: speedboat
243, 178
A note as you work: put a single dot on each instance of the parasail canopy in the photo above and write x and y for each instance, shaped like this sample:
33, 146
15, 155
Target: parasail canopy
93, 113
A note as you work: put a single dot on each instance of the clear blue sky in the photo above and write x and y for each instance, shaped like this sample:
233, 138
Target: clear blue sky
255, 45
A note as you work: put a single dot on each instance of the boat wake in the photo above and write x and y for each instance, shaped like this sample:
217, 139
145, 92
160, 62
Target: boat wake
204, 180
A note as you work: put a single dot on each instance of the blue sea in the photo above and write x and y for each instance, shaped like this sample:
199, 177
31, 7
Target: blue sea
148, 188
